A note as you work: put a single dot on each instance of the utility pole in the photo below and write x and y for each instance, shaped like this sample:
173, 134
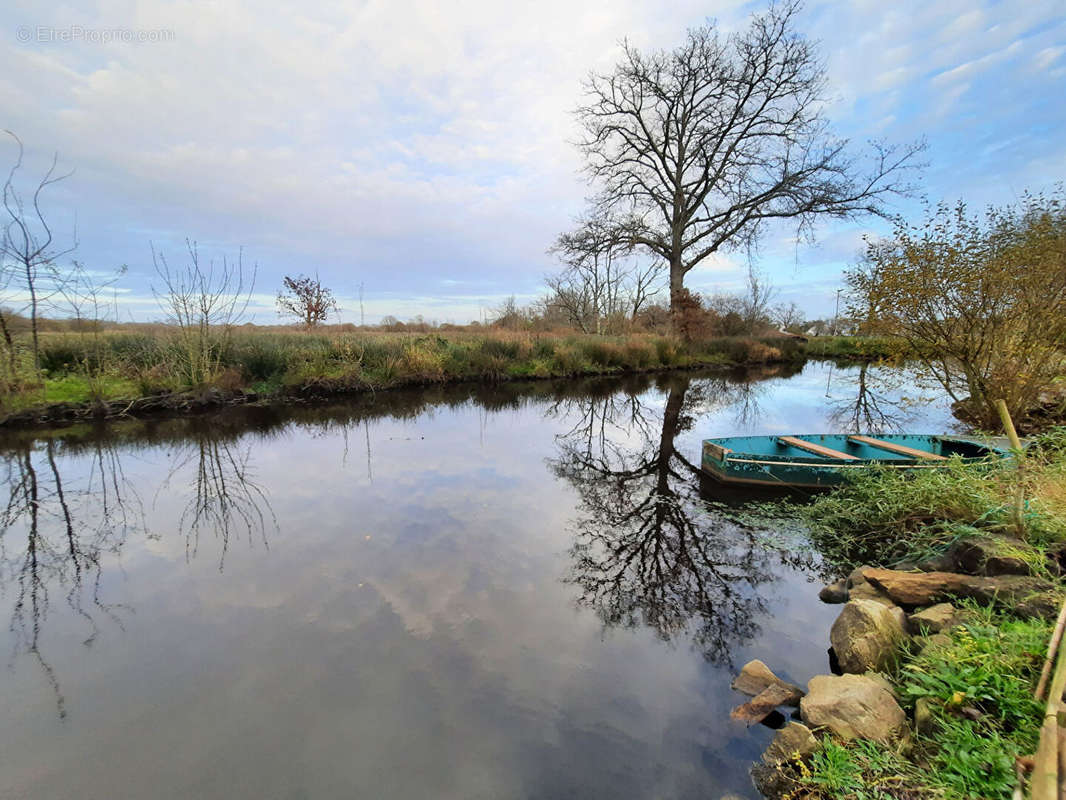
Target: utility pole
362, 313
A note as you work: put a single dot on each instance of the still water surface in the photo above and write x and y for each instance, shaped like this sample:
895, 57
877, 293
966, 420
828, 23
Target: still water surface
510, 592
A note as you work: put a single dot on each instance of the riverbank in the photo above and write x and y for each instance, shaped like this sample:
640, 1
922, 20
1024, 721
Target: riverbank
940, 643
123, 373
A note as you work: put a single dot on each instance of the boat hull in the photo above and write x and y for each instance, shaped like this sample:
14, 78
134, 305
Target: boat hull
765, 462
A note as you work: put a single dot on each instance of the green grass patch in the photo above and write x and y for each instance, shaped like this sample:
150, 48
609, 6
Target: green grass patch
862, 770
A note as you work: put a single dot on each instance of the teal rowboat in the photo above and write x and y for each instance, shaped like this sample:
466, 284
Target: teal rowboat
814, 461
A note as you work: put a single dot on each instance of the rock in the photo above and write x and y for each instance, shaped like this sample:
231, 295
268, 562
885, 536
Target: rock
1056, 556
853, 707
927, 588
924, 723
867, 591
883, 682
836, 592
1042, 605
867, 636
861, 589
936, 641
938, 563
760, 706
934, 619
856, 577
971, 713
772, 781
755, 676
793, 742
984, 555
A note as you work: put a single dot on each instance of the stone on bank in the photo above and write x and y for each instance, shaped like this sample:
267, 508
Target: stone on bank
867, 635
853, 707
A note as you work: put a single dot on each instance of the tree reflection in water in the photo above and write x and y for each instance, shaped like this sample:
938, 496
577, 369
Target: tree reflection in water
225, 501
57, 531
54, 536
648, 550
876, 402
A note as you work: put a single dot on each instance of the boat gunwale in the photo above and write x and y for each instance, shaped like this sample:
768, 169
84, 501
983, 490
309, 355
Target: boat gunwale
836, 463
727, 455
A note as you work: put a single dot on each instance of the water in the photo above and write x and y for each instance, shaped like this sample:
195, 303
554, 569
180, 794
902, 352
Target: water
511, 592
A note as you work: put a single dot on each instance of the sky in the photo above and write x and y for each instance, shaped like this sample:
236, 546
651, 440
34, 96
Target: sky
424, 150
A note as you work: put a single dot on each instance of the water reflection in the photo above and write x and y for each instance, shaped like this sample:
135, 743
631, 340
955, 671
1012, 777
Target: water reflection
875, 400
225, 501
58, 528
318, 625
648, 549
54, 535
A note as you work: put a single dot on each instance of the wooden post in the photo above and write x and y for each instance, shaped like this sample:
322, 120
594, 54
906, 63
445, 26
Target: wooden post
1019, 457
1052, 648
1045, 779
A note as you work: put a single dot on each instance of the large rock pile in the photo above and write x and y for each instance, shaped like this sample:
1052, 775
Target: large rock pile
885, 611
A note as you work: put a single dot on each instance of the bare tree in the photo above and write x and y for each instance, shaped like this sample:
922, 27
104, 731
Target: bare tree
787, 315
600, 280
645, 283
84, 299
27, 246
755, 303
699, 148
306, 299
204, 301
508, 315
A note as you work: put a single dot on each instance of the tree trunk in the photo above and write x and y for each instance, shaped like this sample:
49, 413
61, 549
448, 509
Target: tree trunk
32, 286
10, 347
677, 297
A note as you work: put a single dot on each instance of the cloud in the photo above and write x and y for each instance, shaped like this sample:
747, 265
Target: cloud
396, 143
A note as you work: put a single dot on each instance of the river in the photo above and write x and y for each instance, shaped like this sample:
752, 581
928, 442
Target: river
519, 591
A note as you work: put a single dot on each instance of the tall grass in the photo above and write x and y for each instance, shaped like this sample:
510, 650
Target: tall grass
152, 359
885, 516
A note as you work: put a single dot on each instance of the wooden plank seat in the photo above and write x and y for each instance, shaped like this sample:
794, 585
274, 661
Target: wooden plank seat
899, 449
817, 449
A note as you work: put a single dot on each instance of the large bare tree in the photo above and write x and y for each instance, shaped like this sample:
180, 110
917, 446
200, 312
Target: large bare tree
699, 147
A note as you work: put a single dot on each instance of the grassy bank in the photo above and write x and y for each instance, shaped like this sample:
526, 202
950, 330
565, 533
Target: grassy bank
891, 518
114, 365
975, 683
978, 688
